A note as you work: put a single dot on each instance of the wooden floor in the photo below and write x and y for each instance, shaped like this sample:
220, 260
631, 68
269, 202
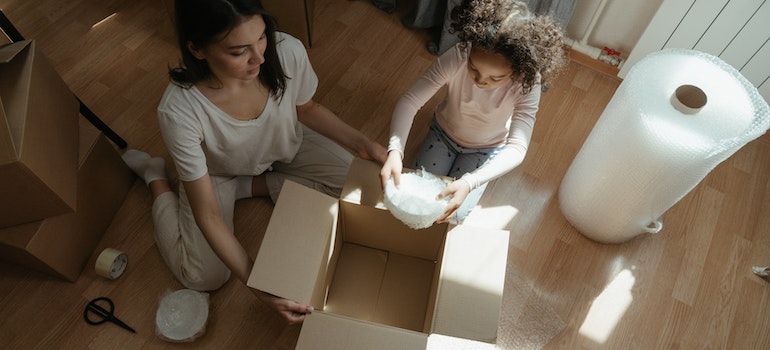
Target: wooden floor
689, 287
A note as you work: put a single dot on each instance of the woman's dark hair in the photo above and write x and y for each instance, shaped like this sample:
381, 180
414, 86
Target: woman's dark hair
203, 22
532, 44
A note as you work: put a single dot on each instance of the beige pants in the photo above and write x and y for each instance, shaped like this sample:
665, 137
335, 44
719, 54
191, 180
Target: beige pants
320, 164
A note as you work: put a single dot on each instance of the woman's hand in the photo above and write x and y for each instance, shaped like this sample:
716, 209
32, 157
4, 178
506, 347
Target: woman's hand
291, 311
458, 190
392, 168
325, 122
374, 151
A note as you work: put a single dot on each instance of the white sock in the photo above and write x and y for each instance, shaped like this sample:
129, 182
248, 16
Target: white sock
148, 168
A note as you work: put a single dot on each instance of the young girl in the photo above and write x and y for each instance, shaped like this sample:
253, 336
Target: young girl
238, 119
482, 128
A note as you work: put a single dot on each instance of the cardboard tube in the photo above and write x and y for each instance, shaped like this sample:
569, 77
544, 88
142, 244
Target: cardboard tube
688, 99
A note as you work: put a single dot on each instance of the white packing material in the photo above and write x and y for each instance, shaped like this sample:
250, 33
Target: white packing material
182, 315
415, 201
676, 116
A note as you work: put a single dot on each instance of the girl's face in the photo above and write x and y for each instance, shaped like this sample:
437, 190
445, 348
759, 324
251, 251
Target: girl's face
488, 69
239, 54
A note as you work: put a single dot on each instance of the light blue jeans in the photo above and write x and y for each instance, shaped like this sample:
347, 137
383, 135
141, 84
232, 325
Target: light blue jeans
442, 156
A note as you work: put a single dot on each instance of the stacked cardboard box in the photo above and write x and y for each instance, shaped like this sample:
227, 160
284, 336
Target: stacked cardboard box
375, 282
38, 137
60, 184
294, 17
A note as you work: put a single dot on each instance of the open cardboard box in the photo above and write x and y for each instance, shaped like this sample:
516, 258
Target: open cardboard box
62, 245
374, 281
38, 137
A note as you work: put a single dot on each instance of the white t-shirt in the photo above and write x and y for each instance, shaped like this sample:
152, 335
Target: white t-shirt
202, 138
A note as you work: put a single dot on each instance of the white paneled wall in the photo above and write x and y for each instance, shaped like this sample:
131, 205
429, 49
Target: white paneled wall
737, 31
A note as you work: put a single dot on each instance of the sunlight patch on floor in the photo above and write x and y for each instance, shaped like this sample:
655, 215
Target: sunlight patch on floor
498, 217
104, 20
608, 308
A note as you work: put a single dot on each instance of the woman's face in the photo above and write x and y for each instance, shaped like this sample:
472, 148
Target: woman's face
488, 69
239, 54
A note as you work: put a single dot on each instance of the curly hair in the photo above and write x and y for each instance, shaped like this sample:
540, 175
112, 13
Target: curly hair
532, 43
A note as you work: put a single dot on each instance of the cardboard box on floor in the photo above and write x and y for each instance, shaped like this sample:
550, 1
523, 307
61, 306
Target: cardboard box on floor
294, 17
62, 245
38, 137
374, 282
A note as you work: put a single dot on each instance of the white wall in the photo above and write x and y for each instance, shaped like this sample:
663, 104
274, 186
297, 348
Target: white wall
736, 31
618, 27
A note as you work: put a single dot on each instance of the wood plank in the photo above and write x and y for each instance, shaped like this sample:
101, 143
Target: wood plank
691, 285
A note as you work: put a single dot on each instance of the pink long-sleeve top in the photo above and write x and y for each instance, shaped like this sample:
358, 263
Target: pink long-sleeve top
471, 116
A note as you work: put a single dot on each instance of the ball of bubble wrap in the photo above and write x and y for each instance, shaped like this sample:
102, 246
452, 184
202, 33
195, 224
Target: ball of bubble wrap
182, 315
414, 201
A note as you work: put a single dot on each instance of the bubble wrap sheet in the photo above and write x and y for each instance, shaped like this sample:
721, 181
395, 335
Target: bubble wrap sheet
644, 154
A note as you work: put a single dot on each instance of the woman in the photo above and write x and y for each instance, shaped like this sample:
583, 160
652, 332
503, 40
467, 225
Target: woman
238, 119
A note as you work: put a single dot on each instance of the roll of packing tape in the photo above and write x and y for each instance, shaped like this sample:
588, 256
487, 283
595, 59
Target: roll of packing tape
111, 263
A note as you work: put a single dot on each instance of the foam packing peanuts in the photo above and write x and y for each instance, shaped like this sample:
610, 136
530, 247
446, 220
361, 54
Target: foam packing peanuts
62, 245
38, 137
373, 280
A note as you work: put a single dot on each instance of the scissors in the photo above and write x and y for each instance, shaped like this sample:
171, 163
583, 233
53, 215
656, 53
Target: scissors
104, 314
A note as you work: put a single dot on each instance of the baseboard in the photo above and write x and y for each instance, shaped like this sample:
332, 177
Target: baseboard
594, 64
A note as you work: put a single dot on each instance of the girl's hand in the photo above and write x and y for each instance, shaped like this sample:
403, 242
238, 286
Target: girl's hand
458, 190
291, 311
392, 168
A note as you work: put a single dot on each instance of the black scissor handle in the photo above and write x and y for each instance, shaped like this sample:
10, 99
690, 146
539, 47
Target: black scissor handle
104, 314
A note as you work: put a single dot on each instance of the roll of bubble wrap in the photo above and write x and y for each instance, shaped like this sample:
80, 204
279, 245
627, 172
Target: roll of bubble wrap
676, 116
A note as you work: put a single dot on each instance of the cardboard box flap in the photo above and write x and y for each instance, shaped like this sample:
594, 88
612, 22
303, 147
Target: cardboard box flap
445, 342
14, 94
292, 260
374, 227
473, 269
19, 235
323, 331
9, 51
7, 137
363, 184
